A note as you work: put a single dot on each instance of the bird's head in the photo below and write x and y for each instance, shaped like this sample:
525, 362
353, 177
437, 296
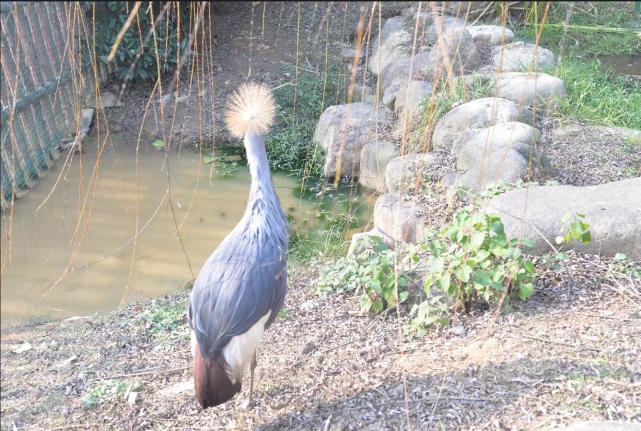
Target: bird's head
250, 111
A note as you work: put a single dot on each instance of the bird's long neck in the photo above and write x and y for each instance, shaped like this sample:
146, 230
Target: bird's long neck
262, 187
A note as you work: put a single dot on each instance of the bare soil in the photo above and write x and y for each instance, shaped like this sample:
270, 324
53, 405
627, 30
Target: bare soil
570, 353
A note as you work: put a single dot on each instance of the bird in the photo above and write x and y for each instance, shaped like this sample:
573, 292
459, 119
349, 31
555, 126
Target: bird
242, 286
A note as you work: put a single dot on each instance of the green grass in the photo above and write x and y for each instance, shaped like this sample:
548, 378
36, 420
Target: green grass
599, 97
289, 144
603, 37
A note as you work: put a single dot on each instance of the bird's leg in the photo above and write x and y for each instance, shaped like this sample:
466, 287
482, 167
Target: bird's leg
252, 367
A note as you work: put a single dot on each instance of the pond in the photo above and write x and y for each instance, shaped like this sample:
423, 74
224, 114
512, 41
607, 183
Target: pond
622, 64
70, 245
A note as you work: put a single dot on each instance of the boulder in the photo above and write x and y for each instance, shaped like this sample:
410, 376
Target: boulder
519, 56
612, 210
431, 24
395, 43
530, 88
490, 34
490, 139
466, 120
403, 172
343, 130
422, 69
411, 96
398, 219
504, 166
455, 51
360, 240
374, 158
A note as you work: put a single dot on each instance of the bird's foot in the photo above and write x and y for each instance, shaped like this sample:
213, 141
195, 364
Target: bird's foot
248, 405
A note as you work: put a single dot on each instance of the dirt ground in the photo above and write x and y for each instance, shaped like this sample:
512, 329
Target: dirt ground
570, 353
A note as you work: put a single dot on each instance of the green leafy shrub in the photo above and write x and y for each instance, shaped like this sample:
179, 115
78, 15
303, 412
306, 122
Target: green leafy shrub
110, 19
472, 261
289, 144
371, 273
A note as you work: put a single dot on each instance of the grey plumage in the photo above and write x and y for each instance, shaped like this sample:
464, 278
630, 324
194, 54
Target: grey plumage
247, 274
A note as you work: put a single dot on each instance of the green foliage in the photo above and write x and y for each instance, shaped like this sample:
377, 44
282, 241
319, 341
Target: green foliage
159, 144
624, 265
111, 17
370, 273
472, 261
289, 144
108, 390
597, 96
575, 229
161, 317
427, 313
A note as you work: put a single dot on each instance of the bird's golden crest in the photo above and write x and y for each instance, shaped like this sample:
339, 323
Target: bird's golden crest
250, 110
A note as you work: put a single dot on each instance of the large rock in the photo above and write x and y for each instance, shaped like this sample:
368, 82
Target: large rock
410, 97
455, 52
362, 240
374, 158
612, 210
343, 130
493, 138
520, 56
431, 24
399, 70
398, 219
395, 43
531, 88
504, 166
397, 75
404, 172
467, 119
490, 34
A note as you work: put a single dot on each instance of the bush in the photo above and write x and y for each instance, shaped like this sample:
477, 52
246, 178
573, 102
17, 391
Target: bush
290, 145
472, 261
370, 273
111, 17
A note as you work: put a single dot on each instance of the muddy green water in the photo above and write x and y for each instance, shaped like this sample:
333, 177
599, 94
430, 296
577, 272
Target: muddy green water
622, 64
76, 254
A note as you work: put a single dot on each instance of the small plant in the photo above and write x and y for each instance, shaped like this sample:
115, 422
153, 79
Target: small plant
284, 314
225, 167
108, 390
158, 143
163, 317
624, 265
427, 313
371, 273
575, 229
473, 261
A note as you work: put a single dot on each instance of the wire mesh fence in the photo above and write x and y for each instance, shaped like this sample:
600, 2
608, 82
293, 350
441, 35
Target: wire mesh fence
44, 75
